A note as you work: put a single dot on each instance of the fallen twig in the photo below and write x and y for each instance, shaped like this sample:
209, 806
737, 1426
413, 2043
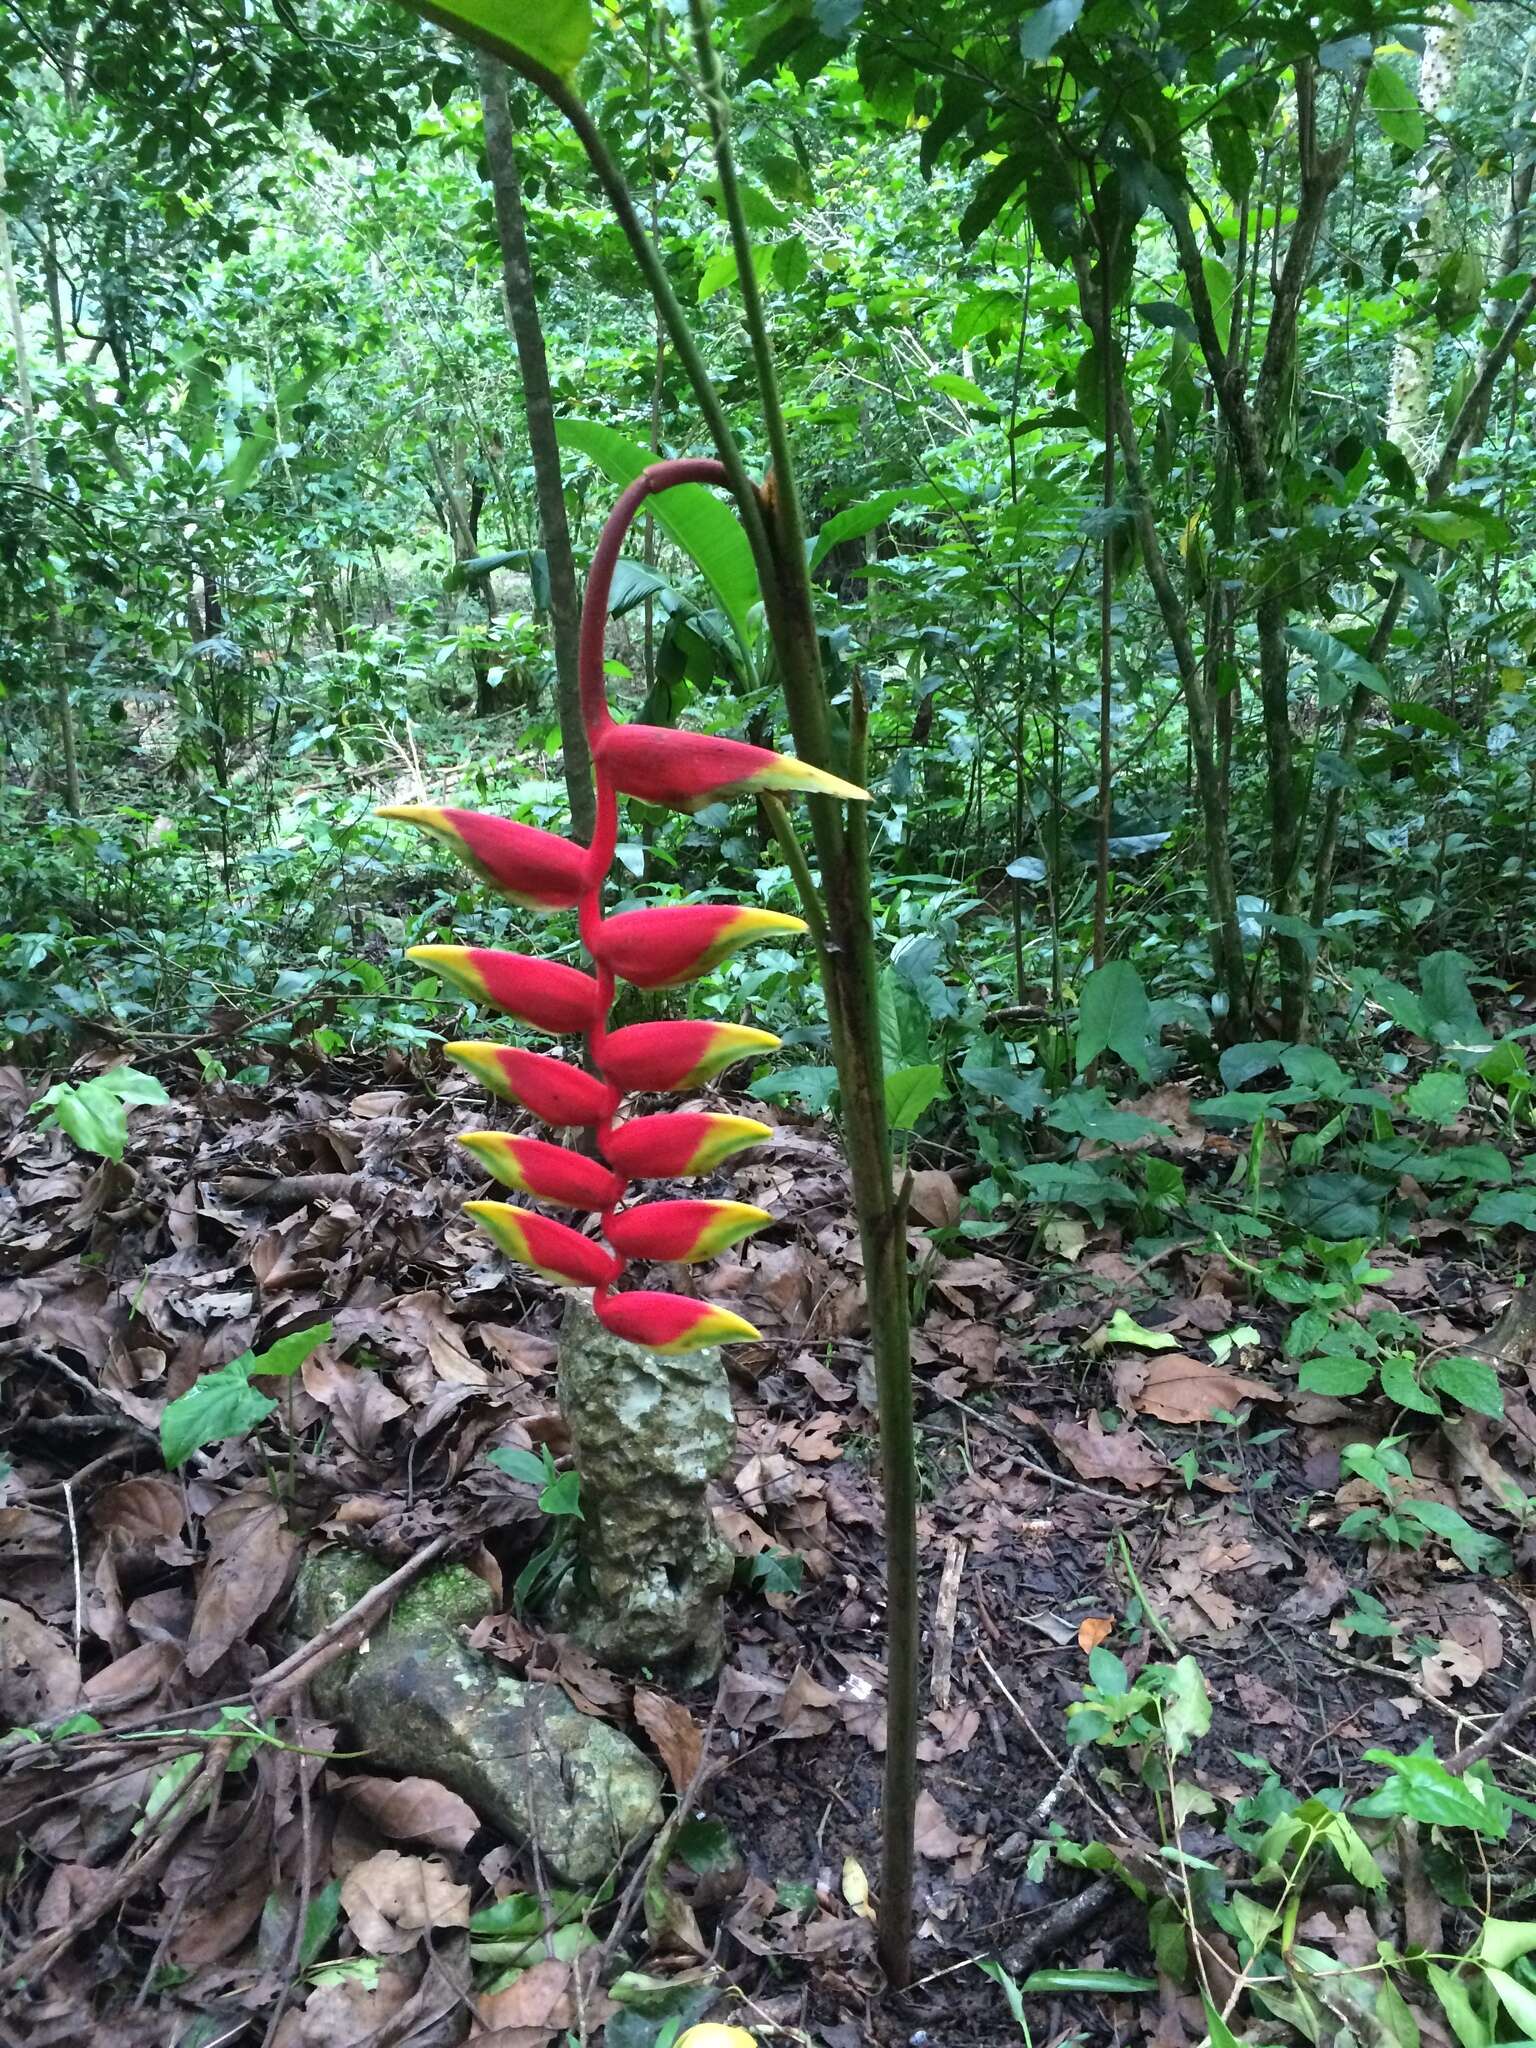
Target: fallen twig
40, 1956
335, 1638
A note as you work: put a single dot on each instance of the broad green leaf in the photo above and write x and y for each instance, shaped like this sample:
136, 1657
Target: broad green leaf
1448, 1006
1438, 1098
854, 521
94, 1116
1010, 1987
1468, 2025
700, 524
1334, 1205
1395, 105
223, 1403
240, 471
132, 1087
219, 1404
1503, 1942
1455, 529
1042, 30
908, 1092
562, 1496
1518, 2000
1346, 1844
526, 1466
1116, 1017
1186, 1706
1088, 1113
1471, 1381
288, 1353
1056, 1182
718, 272
1339, 1377
814, 1086
1335, 658
554, 33
1400, 1383
1477, 1551
1218, 286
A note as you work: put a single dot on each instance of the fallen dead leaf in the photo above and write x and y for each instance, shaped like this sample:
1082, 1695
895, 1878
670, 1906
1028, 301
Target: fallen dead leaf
390, 1900
529, 2013
1094, 1454
252, 1554
1175, 1387
935, 1838
677, 1736
39, 1674
1094, 1629
413, 1810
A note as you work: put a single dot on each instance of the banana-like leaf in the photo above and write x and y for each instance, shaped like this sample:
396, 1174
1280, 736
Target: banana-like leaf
693, 517
554, 33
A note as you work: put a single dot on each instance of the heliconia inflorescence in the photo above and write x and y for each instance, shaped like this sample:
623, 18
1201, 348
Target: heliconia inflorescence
657, 948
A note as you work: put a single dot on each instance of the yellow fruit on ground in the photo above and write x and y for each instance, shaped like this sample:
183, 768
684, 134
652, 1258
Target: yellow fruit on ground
717, 2037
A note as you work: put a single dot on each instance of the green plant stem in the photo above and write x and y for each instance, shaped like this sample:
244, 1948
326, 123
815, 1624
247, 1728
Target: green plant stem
851, 982
799, 868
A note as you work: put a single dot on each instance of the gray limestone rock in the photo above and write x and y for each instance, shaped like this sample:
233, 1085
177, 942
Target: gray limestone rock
423, 1704
649, 1433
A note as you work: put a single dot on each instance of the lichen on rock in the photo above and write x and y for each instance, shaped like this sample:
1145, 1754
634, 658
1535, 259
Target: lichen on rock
649, 1432
421, 1703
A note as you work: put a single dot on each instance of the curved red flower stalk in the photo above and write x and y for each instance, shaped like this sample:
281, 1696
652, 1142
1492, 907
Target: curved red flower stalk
658, 948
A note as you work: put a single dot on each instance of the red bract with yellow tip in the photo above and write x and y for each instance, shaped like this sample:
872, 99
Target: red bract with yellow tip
553, 1249
537, 992
680, 1143
548, 1172
687, 770
538, 869
670, 1322
666, 947
677, 1233
555, 1091
660, 947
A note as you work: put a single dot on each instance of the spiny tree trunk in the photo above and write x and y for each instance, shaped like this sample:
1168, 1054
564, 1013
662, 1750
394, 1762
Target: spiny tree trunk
527, 331
1413, 358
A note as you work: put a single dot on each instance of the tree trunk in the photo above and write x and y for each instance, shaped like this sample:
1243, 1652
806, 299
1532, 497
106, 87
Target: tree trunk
522, 313
39, 483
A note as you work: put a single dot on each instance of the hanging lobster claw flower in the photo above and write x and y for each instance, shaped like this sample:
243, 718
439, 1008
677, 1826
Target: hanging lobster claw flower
536, 992
554, 1090
679, 1143
648, 1058
664, 947
677, 1233
549, 1172
670, 1323
687, 770
553, 1249
537, 869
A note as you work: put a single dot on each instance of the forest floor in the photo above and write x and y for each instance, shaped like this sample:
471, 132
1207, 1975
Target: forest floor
1087, 1483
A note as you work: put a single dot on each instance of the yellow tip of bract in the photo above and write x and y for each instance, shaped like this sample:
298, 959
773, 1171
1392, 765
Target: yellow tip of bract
428, 815
800, 777
717, 2037
719, 1326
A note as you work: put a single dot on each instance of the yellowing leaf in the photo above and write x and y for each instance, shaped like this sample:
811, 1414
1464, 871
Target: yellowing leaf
1124, 1329
1094, 1629
856, 1888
